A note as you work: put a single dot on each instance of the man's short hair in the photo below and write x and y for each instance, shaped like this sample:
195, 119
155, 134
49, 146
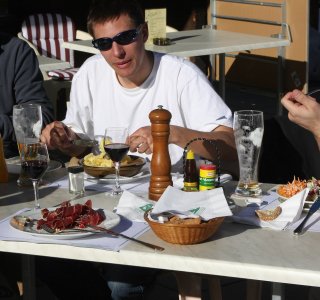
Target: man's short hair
107, 10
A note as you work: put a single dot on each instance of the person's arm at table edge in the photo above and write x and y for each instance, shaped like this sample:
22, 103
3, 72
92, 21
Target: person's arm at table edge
223, 135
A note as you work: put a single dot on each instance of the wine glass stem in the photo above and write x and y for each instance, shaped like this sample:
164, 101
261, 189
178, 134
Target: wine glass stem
117, 167
35, 184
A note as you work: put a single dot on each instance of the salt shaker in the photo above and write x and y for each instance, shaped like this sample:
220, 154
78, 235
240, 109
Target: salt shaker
76, 180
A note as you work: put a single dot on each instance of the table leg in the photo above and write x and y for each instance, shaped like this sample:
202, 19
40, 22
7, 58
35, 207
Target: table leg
253, 289
277, 291
215, 288
222, 77
189, 286
28, 277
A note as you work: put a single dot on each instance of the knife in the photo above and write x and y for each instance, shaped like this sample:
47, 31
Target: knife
85, 143
314, 207
111, 232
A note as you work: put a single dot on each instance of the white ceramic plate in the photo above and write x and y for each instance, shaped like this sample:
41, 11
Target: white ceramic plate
281, 198
111, 221
307, 203
109, 179
14, 165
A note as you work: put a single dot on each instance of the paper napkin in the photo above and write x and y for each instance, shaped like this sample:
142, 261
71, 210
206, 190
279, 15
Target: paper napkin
291, 212
206, 204
133, 207
244, 201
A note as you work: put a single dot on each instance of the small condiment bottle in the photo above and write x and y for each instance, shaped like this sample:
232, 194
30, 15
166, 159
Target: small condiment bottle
190, 183
76, 180
207, 178
4, 175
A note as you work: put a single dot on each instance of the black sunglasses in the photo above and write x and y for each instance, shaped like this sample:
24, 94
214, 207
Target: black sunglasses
122, 38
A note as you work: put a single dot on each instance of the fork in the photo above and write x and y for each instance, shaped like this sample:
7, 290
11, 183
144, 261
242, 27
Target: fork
97, 229
48, 229
313, 92
117, 234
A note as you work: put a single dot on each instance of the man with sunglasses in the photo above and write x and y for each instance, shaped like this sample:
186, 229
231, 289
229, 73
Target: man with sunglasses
122, 84
120, 87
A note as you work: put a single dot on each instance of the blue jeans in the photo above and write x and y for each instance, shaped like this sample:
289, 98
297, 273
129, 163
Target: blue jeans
126, 282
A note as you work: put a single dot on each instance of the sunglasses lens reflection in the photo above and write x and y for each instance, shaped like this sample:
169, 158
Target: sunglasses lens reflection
123, 38
103, 44
126, 37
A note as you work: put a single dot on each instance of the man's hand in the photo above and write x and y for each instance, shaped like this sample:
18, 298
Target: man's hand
141, 140
303, 110
58, 136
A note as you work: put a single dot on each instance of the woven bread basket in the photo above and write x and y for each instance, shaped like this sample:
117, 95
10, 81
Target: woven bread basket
188, 234
184, 234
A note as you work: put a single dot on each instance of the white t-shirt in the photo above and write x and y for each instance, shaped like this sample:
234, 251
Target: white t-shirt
98, 101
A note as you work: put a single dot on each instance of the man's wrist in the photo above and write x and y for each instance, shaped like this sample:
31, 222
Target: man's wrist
172, 139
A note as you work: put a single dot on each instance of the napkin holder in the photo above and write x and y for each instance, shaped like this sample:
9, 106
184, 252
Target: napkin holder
211, 142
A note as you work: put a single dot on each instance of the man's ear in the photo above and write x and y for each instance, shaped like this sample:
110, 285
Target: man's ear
145, 32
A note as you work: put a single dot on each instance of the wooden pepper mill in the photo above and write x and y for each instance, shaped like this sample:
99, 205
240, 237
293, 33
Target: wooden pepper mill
160, 162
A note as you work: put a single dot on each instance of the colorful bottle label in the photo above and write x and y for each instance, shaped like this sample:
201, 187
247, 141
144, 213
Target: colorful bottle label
207, 178
190, 186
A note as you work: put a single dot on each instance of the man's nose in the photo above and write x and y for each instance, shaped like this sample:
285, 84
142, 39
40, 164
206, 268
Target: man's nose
117, 50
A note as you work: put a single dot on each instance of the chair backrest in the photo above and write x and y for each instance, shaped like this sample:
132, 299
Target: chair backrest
47, 32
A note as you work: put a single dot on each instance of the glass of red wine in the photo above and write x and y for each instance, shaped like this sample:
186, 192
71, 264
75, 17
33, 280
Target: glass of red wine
34, 163
116, 145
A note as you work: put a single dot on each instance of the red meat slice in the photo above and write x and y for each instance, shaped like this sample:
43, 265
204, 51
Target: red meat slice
69, 216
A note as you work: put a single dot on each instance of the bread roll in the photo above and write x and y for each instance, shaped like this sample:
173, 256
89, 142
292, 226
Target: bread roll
269, 215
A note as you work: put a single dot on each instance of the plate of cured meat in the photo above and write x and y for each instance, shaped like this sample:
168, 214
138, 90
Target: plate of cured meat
66, 221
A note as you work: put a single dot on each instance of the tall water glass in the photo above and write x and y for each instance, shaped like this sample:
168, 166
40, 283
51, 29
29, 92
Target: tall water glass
248, 129
27, 123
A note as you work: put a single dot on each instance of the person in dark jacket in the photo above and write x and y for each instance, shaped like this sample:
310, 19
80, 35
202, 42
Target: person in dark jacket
21, 82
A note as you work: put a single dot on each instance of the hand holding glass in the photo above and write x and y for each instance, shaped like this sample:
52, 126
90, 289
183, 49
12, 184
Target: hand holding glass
116, 145
248, 129
34, 163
